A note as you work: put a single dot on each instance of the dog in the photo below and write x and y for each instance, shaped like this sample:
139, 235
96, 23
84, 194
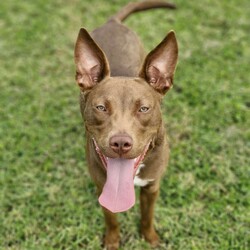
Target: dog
121, 89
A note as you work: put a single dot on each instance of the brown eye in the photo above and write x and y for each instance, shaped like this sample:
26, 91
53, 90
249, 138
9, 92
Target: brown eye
143, 109
101, 108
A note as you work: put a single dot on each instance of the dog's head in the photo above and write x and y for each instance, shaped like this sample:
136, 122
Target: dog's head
122, 114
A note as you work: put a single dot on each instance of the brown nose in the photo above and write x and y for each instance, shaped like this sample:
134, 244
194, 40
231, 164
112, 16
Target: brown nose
121, 144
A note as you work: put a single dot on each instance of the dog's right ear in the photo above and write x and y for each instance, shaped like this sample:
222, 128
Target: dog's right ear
91, 63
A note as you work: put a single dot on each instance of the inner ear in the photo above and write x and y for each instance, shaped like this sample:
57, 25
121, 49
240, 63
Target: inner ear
159, 66
91, 63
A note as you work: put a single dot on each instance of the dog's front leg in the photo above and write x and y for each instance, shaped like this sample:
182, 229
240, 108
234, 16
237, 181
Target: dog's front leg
112, 237
148, 197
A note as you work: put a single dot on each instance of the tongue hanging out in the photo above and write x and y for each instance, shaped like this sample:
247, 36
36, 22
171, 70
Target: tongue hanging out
118, 193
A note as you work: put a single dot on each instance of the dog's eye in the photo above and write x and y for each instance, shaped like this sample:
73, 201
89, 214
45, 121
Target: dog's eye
143, 109
101, 108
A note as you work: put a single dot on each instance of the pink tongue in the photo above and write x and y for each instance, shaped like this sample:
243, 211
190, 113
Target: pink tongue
118, 194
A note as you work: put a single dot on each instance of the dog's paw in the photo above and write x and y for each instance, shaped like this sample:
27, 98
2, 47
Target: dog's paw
111, 240
112, 247
151, 237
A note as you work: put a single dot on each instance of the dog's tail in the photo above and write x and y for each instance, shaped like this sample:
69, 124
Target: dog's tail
140, 6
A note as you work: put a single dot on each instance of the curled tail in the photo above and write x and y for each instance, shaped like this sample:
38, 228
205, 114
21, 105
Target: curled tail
140, 6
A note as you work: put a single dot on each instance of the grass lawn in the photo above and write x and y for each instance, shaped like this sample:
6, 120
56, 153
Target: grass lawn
47, 199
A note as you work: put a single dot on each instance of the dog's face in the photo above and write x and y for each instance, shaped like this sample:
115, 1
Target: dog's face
124, 107
122, 114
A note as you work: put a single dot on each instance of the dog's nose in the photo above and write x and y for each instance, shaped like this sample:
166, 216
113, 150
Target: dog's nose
121, 144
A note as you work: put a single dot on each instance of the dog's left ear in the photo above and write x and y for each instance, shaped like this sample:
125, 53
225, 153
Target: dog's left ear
159, 66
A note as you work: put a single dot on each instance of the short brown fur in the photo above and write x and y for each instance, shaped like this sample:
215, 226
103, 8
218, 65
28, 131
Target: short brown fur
112, 72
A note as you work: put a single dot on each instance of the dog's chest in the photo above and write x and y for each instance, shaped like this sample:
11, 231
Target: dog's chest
138, 181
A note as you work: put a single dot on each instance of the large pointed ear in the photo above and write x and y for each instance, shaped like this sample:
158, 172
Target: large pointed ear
159, 66
91, 63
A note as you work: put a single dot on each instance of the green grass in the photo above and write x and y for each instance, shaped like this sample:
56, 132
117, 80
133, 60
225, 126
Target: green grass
47, 200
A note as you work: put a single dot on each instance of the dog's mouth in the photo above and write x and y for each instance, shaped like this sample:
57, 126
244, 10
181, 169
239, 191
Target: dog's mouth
118, 193
106, 159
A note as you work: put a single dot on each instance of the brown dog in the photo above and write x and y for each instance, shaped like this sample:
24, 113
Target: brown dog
120, 99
